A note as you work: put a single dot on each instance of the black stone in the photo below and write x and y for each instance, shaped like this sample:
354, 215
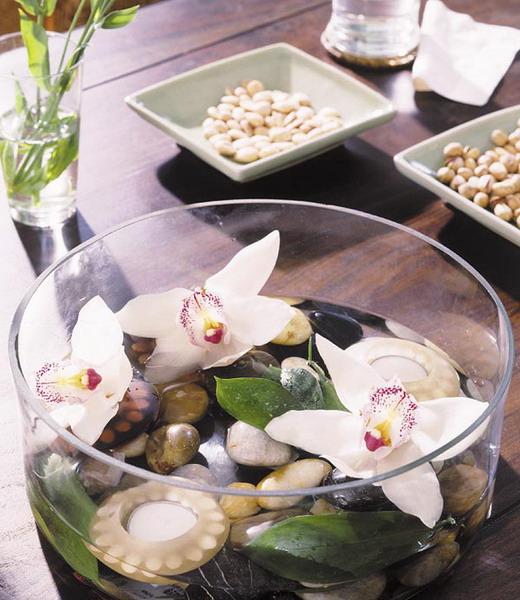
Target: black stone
365, 498
341, 330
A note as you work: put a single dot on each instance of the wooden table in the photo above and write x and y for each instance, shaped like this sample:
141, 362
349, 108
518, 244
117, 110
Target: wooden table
127, 168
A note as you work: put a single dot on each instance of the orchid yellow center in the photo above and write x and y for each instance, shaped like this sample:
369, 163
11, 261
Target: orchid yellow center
86, 379
202, 317
389, 417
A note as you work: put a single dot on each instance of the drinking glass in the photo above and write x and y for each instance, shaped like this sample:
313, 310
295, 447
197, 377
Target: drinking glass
373, 33
39, 133
386, 278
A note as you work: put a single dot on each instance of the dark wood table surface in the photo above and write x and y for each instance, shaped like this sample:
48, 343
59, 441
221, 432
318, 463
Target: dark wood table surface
127, 168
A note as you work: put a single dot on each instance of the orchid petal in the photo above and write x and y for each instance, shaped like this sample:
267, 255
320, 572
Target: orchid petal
441, 420
225, 354
152, 315
91, 417
416, 492
248, 271
116, 376
333, 434
257, 320
97, 335
352, 379
174, 356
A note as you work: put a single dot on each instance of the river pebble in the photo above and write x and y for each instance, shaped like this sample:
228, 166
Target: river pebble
252, 447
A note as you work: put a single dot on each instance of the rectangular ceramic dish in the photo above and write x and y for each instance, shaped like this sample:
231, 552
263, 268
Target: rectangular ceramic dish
178, 105
429, 154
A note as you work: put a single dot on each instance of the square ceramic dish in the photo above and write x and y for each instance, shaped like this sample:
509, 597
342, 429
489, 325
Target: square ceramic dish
178, 105
428, 154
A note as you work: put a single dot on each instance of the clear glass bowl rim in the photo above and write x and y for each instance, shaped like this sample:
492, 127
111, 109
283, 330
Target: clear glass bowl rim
54, 34
26, 395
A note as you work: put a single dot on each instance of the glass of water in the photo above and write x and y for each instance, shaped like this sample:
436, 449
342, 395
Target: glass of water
39, 133
373, 33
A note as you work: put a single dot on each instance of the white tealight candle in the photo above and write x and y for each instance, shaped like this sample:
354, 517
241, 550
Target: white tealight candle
160, 521
404, 368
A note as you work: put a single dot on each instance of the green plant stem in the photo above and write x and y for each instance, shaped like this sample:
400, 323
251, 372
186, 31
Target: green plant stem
69, 33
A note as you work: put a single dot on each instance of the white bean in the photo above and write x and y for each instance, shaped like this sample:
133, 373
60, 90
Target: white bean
301, 98
225, 148
237, 134
254, 86
239, 91
329, 112
245, 125
210, 131
263, 96
238, 113
213, 112
242, 143
279, 134
261, 131
268, 150
247, 154
220, 137
233, 100
281, 146
262, 108
299, 138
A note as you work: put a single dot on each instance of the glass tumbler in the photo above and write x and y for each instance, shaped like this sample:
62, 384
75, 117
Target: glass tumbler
137, 534
373, 33
39, 133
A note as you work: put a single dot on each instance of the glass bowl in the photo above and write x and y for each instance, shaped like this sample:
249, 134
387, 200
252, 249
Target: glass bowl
195, 537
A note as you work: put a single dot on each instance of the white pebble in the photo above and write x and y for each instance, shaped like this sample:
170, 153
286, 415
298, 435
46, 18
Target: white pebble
247, 154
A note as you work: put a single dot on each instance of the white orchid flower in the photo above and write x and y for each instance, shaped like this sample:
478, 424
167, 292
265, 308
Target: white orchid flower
215, 324
83, 392
384, 430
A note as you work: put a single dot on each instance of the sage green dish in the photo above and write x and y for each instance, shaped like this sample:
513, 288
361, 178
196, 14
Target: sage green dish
420, 162
178, 105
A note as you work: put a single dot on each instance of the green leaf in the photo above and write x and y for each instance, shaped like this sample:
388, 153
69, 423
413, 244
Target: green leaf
31, 7
63, 154
20, 101
338, 547
254, 400
119, 18
35, 40
61, 486
330, 397
49, 7
7, 161
62, 493
304, 387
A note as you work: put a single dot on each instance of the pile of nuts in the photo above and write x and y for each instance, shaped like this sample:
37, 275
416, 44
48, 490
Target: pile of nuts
492, 178
251, 122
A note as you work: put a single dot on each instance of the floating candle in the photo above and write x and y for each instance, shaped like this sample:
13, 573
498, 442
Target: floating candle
152, 531
160, 521
404, 368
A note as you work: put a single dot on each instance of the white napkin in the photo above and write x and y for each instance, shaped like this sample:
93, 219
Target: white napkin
459, 58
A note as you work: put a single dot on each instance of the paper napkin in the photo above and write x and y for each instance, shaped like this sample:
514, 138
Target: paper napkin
459, 58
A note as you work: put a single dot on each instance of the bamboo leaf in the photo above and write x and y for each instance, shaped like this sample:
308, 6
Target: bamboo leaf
119, 18
337, 547
49, 6
35, 40
20, 102
31, 7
